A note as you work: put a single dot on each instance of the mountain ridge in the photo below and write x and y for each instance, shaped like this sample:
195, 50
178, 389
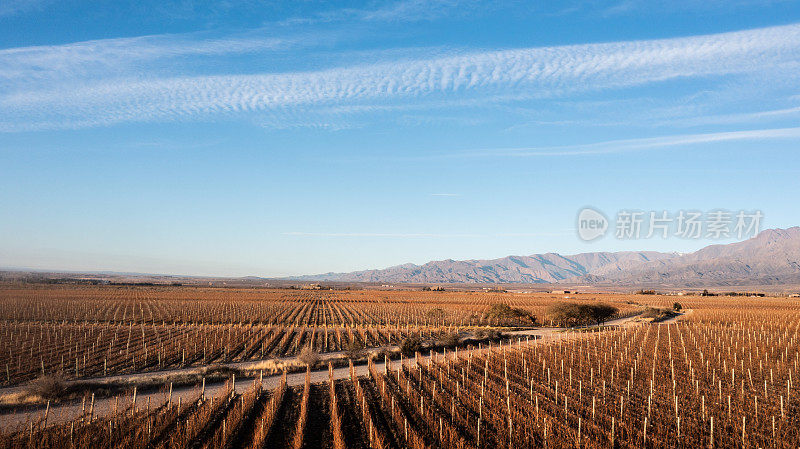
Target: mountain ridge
535, 269
773, 256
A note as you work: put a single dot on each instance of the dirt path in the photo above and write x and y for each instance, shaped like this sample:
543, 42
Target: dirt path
549, 333
106, 406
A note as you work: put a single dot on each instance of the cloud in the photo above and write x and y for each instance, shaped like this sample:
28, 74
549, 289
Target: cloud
624, 7
411, 10
543, 72
379, 234
399, 11
427, 235
14, 7
627, 145
105, 58
745, 117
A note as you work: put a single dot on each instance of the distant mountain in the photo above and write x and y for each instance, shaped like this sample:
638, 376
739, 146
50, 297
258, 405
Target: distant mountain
538, 268
772, 257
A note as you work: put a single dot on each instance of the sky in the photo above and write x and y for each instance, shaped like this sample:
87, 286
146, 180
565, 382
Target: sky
281, 138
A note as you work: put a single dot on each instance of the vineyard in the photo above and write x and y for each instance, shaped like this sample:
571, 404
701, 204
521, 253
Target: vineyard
89, 332
723, 375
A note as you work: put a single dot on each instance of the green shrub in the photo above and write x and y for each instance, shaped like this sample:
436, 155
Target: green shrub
505, 314
575, 314
657, 314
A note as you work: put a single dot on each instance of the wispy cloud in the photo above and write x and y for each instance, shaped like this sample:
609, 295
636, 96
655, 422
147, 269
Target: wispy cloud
426, 235
398, 11
744, 117
537, 234
543, 72
14, 7
623, 7
410, 10
106, 58
379, 234
628, 145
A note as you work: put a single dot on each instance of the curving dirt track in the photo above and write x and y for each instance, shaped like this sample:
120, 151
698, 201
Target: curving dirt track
106, 406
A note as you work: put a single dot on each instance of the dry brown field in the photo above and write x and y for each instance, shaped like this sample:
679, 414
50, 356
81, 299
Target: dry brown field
90, 331
724, 374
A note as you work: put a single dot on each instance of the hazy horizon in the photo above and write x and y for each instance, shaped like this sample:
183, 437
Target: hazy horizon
310, 137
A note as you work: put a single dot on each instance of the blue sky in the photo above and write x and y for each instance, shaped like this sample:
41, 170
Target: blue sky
280, 138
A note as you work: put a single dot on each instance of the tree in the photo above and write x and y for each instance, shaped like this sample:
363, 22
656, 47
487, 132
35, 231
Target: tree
506, 314
601, 312
565, 313
574, 314
677, 307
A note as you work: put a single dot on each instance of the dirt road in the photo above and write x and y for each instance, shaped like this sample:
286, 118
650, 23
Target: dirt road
107, 406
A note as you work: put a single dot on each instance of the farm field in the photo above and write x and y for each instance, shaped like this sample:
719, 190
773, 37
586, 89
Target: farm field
724, 374
85, 332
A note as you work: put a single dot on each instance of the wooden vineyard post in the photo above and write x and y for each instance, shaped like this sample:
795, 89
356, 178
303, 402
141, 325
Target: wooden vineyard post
46, 412
478, 444
297, 441
743, 431
613, 423
351, 369
545, 433
773, 427
133, 404
712, 432
336, 424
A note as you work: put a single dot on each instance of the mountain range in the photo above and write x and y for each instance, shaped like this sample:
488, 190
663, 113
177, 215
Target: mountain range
771, 257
